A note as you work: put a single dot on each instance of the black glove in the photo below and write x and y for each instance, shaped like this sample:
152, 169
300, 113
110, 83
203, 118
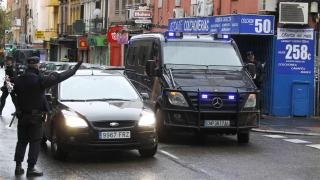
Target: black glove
77, 66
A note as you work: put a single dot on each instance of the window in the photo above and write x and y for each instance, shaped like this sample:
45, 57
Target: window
159, 3
82, 12
124, 4
117, 9
145, 52
98, 5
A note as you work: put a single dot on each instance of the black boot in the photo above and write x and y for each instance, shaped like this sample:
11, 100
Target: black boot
19, 170
34, 172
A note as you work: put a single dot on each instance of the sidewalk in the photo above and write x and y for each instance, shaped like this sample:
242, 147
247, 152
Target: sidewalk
290, 125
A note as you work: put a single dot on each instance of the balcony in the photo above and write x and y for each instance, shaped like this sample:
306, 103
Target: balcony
53, 3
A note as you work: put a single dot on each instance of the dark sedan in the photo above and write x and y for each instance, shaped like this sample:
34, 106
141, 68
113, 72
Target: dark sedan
97, 111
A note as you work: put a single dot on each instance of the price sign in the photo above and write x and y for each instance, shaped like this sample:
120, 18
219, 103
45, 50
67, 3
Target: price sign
295, 51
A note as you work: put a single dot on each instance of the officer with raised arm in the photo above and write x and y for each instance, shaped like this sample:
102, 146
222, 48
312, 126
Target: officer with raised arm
31, 108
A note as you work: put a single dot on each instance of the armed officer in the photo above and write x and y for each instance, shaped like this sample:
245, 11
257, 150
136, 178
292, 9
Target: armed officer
31, 106
11, 74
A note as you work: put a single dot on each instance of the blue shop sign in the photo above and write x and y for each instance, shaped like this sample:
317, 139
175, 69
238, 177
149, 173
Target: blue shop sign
231, 24
295, 51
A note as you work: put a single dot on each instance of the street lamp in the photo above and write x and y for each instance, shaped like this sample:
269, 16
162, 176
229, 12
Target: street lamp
96, 14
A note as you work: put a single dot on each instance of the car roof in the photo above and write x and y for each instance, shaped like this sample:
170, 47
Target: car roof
97, 72
186, 38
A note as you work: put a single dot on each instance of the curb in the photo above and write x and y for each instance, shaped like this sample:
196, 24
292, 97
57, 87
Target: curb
284, 132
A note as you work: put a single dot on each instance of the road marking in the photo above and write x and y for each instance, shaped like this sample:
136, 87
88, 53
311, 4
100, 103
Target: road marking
169, 154
297, 141
317, 146
275, 136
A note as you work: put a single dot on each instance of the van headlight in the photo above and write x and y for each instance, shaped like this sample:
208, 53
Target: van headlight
73, 120
147, 119
177, 99
251, 101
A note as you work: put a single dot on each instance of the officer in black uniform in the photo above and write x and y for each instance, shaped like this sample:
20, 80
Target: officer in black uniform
31, 106
11, 74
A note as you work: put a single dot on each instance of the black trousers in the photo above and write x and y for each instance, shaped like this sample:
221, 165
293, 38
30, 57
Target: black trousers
28, 133
4, 96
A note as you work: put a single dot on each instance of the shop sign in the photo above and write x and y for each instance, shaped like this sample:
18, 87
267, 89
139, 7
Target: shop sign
39, 34
82, 43
231, 24
295, 51
142, 14
143, 21
117, 34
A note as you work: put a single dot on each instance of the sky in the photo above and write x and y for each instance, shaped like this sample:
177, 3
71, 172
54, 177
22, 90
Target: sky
4, 4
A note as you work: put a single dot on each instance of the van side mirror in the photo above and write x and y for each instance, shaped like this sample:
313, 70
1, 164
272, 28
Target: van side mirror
49, 97
150, 67
145, 96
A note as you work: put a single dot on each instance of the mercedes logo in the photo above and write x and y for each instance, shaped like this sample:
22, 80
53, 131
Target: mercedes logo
217, 102
114, 124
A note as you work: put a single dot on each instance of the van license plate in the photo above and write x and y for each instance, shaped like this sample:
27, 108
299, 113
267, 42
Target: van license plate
216, 123
115, 135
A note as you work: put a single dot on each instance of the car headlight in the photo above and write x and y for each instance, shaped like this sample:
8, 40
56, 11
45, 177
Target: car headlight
147, 119
177, 99
251, 101
73, 120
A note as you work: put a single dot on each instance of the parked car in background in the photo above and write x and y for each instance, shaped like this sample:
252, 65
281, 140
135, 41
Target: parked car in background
99, 110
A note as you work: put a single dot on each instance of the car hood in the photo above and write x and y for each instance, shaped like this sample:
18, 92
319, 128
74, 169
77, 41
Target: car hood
102, 111
212, 80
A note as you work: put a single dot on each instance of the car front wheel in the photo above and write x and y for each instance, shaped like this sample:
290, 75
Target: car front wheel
148, 153
56, 148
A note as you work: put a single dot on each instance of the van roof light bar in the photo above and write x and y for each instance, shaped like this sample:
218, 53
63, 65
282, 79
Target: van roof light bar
173, 35
221, 36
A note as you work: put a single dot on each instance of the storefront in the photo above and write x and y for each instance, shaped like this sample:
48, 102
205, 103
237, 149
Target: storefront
287, 88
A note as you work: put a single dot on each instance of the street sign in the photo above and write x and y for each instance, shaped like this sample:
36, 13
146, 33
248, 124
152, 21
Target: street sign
231, 24
295, 51
39, 34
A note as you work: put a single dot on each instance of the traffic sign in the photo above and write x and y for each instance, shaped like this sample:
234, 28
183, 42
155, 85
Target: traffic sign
39, 34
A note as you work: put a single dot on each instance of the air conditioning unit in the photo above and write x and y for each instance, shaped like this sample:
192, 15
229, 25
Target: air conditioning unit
178, 13
193, 2
268, 5
293, 13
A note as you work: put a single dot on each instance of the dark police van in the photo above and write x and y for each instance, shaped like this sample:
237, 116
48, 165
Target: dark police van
194, 82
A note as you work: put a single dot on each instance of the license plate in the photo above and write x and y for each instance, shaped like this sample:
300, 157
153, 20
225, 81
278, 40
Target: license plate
115, 135
216, 123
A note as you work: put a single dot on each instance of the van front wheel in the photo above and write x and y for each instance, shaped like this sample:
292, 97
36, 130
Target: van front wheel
160, 127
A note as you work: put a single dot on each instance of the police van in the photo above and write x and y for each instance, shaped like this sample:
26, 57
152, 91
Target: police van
194, 82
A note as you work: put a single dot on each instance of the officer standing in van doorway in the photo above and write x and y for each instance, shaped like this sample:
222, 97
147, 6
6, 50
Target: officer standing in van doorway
155, 85
10, 75
31, 108
254, 68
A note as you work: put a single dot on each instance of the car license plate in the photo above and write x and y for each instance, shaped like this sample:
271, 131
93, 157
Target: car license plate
115, 135
216, 123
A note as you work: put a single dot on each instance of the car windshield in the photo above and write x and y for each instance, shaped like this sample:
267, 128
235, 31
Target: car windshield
97, 88
200, 53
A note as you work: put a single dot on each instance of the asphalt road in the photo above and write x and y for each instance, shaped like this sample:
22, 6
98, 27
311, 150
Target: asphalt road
184, 157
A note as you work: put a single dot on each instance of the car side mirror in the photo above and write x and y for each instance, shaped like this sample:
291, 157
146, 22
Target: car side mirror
151, 68
145, 96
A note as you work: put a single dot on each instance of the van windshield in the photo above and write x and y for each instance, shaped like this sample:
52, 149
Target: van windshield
200, 53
